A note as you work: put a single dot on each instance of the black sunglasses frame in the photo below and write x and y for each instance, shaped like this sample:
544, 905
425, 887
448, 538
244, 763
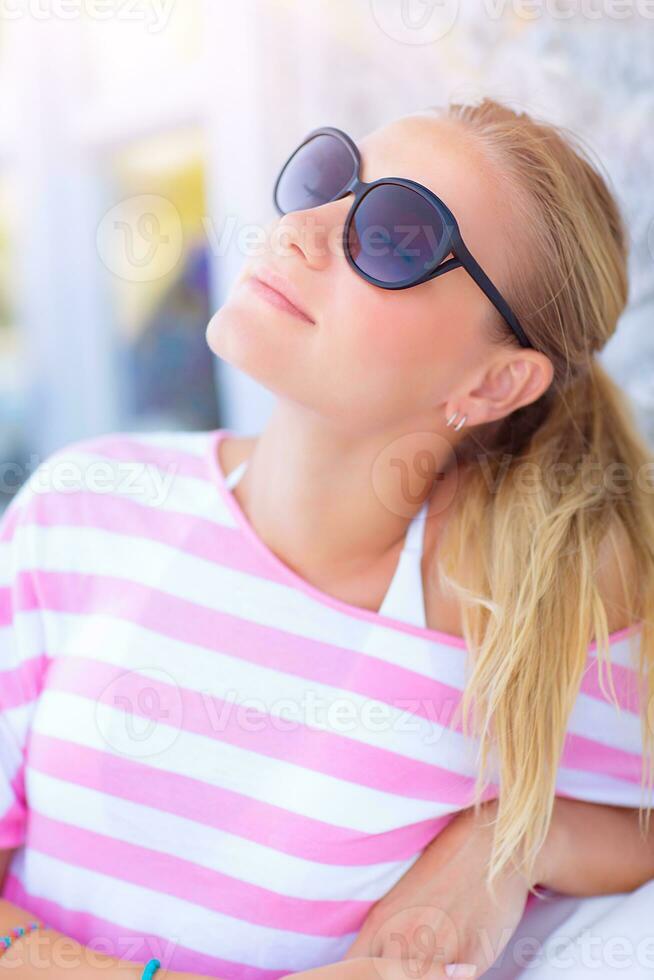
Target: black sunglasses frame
452, 240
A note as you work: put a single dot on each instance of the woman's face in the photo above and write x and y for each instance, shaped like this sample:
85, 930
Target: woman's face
372, 356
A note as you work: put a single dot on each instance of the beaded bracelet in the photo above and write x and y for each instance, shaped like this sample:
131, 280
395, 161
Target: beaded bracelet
16, 933
5, 942
150, 968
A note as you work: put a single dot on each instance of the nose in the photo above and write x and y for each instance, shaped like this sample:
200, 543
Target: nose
314, 234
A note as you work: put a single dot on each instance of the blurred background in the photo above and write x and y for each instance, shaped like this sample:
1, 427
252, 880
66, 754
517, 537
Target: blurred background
139, 140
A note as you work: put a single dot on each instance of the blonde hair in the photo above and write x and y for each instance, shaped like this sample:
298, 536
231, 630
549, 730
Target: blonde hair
524, 559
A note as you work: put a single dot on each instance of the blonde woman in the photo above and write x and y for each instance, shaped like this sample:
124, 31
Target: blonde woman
368, 649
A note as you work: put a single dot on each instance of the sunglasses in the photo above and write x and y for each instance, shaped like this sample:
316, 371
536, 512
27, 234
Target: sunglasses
397, 232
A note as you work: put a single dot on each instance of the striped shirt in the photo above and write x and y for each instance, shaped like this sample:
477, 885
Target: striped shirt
207, 759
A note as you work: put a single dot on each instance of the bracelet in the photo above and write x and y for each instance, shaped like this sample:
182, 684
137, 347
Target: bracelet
150, 969
16, 933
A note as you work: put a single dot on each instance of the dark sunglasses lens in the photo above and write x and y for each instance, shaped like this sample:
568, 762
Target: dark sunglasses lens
316, 173
396, 235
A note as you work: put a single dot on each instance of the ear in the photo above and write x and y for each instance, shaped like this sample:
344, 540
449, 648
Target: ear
508, 384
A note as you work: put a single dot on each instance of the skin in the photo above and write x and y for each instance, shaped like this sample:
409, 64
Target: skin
364, 392
441, 910
370, 384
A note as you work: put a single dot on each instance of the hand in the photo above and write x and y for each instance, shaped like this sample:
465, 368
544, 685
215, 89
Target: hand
373, 968
441, 910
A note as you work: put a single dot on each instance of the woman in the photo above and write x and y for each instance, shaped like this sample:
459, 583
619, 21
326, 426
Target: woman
239, 683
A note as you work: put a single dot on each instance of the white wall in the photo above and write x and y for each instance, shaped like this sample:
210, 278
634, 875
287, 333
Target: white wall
270, 71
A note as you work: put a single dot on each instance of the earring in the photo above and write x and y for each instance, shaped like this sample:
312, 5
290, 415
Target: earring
459, 424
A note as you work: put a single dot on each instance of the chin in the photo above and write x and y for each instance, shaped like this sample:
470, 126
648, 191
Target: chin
232, 335
236, 336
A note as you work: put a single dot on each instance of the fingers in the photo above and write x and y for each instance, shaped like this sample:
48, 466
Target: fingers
415, 943
392, 968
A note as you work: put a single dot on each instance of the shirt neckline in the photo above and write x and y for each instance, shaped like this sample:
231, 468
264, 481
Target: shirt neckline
369, 615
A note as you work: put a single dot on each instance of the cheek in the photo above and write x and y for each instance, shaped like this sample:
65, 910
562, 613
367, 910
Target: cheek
380, 352
403, 349
395, 328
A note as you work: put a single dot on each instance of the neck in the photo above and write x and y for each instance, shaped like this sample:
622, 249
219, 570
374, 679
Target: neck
340, 501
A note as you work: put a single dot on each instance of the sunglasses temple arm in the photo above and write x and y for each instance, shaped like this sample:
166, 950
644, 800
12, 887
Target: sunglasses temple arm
475, 270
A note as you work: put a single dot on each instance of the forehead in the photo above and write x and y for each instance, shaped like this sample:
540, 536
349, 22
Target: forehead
451, 162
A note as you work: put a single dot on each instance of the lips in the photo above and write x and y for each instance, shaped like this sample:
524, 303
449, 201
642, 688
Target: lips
284, 290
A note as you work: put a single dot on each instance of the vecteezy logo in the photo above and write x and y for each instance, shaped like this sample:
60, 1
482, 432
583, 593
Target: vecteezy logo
141, 238
405, 471
139, 713
415, 938
415, 21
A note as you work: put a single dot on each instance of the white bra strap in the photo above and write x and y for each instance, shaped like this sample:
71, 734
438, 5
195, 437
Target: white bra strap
232, 478
415, 536
405, 598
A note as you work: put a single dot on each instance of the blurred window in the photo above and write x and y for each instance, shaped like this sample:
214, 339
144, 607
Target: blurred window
13, 448
131, 44
153, 242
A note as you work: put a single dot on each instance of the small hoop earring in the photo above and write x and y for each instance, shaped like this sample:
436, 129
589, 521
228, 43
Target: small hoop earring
460, 423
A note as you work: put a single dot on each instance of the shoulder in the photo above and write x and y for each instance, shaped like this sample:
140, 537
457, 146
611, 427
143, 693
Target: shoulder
131, 443
151, 445
617, 578
120, 463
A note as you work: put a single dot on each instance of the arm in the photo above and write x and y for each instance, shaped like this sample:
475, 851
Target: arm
575, 859
441, 905
62, 957
66, 959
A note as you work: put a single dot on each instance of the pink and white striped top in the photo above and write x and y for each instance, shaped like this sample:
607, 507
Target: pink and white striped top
205, 758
